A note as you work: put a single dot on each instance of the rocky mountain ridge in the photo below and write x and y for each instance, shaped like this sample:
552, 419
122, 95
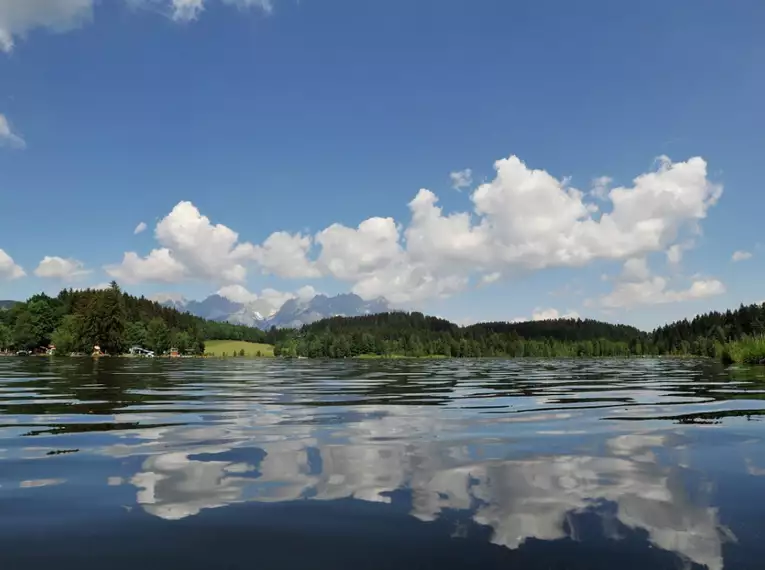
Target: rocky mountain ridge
262, 314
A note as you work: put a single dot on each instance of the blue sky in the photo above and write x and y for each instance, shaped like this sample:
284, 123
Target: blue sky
291, 123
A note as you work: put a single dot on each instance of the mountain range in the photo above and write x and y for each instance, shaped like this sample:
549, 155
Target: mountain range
292, 314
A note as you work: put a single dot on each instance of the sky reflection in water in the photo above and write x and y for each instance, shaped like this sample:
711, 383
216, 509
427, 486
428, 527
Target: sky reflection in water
554, 464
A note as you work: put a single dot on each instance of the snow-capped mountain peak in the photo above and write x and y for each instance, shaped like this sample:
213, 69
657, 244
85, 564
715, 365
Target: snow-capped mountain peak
293, 313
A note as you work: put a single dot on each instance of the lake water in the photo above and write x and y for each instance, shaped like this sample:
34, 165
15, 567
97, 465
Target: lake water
635, 464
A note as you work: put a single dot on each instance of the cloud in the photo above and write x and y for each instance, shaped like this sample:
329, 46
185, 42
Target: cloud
7, 136
60, 268
306, 293
461, 179
636, 286
240, 294
490, 278
552, 314
600, 187
96, 287
353, 254
636, 270
546, 315
171, 297
675, 254
159, 265
285, 255
188, 10
237, 294
8, 268
140, 228
523, 221
17, 17
741, 256
192, 248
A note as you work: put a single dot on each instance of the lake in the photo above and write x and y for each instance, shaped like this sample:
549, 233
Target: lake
532, 464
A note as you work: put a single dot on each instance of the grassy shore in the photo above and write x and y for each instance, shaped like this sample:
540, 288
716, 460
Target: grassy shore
226, 348
745, 351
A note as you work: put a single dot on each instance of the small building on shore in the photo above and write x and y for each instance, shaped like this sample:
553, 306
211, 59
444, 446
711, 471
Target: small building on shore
140, 351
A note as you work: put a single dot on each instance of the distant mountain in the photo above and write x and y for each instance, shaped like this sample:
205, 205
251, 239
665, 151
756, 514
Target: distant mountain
4, 305
214, 308
295, 313
263, 315
254, 314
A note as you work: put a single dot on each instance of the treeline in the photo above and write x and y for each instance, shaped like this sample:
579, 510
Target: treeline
712, 334
734, 336
76, 321
417, 335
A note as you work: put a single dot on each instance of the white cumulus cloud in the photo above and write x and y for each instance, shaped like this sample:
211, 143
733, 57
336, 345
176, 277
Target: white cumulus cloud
159, 265
523, 220
636, 269
54, 267
192, 248
306, 293
741, 256
18, 17
675, 254
140, 228
8, 137
237, 294
462, 179
240, 294
636, 286
546, 315
552, 314
8, 268
285, 255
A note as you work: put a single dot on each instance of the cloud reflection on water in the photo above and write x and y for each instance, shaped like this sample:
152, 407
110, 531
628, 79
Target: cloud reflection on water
411, 449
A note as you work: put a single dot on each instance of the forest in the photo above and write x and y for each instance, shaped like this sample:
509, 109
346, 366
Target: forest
77, 320
730, 336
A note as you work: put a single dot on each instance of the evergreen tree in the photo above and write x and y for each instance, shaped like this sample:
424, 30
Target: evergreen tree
67, 337
135, 334
6, 337
158, 336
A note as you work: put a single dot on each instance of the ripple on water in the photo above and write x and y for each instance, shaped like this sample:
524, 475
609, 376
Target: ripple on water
589, 457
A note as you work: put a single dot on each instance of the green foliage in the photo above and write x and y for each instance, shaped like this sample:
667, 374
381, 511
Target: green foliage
111, 319
75, 321
24, 337
750, 350
135, 334
68, 336
182, 341
158, 336
6, 337
416, 335
104, 321
732, 336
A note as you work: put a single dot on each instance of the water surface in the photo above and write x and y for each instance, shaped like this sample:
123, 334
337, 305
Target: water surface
548, 464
